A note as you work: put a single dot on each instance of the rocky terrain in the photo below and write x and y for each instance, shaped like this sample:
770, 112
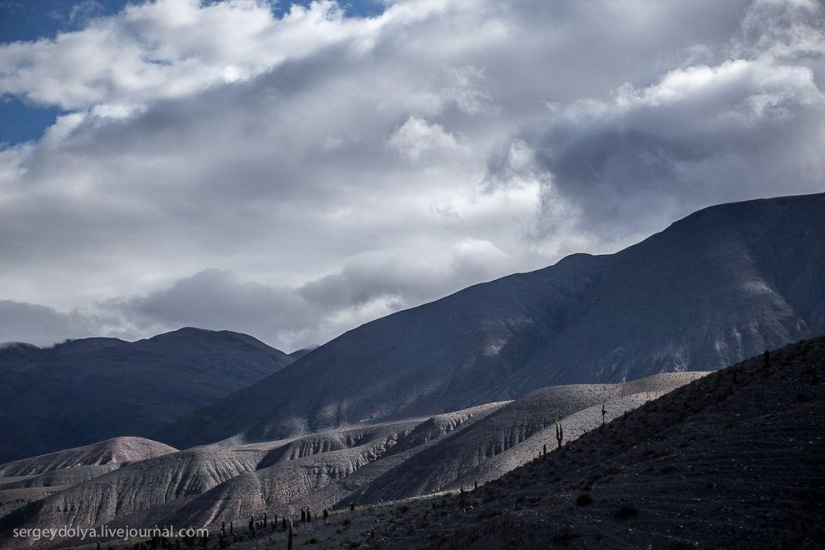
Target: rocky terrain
368, 463
32, 479
714, 288
88, 390
732, 460
442, 424
114, 451
515, 434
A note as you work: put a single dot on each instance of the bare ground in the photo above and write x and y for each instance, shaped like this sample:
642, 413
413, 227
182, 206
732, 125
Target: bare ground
734, 460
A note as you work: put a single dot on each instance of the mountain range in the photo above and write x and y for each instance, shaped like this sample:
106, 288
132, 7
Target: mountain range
721, 285
466, 391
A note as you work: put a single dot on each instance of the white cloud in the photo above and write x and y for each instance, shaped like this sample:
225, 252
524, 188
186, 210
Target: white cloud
417, 137
698, 136
292, 177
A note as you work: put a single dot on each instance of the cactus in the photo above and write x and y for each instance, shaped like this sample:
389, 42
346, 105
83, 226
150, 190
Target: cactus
604, 413
767, 359
326, 514
291, 534
351, 506
559, 434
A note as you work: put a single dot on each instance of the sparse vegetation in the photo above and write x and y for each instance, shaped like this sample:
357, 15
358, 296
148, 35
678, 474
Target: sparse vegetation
584, 499
626, 511
633, 465
565, 533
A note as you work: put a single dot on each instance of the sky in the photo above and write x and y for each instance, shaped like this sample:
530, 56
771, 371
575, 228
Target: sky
292, 171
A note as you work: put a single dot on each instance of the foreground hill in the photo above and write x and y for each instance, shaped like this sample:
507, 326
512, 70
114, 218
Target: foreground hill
93, 389
112, 451
733, 460
514, 435
32, 479
714, 288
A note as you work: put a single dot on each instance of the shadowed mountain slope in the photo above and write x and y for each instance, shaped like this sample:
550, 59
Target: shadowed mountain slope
97, 388
733, 460
718, 286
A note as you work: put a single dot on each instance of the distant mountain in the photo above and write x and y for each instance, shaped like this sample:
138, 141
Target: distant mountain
297, 354
714, 288
89, 390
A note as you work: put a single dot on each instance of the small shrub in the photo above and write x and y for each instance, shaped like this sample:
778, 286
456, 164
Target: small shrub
628, 511
591, 479
347, 522
312, 540
585, 499
565, 533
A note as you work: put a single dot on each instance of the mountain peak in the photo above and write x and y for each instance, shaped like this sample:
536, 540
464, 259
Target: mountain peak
723, 284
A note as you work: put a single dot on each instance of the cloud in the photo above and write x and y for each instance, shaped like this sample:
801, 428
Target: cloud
700, 135
417, 137
84, 12
40, 325
782, 29
316, 311
311, 171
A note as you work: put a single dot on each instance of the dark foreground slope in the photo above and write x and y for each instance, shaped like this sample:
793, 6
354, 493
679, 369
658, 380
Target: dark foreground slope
733, 460
93, 389
714, 288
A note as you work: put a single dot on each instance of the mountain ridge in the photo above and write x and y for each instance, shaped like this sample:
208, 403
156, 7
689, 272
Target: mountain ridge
713, 288
82, 391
